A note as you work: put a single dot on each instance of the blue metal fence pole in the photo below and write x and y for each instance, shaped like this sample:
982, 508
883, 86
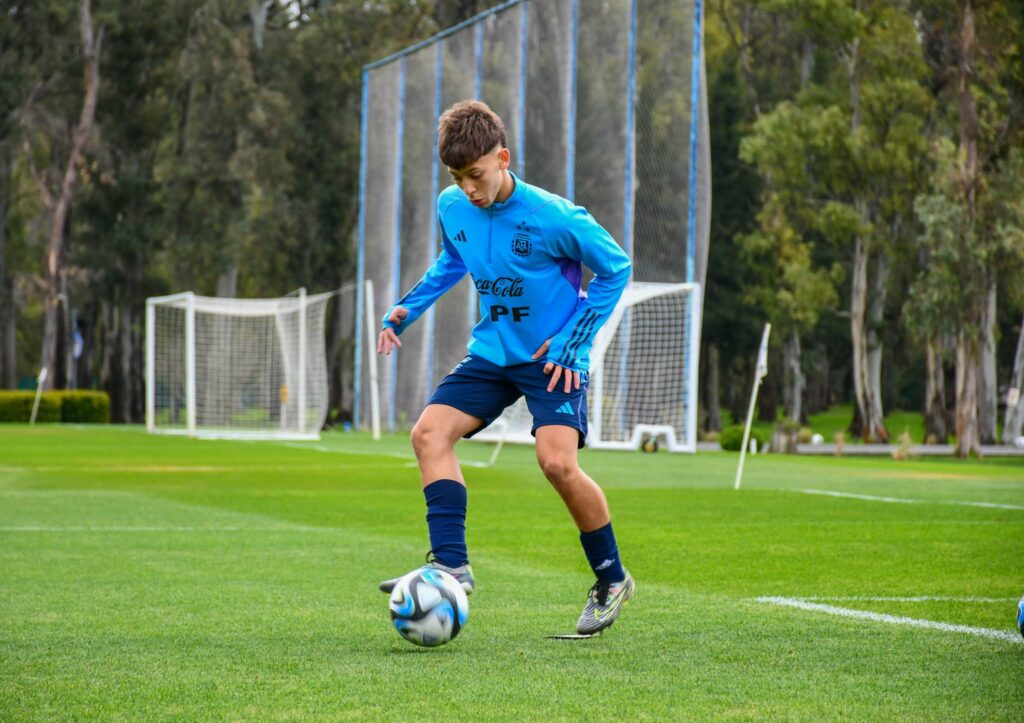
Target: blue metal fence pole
691, 211
357, 396
396, 277
435, 168
570, 145
627, 233
524, 49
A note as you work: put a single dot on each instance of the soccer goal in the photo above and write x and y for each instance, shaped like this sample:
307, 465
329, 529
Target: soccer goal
603, 103
236, 368
643, 381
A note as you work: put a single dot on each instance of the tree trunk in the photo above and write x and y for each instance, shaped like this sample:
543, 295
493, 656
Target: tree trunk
816, 395
62, 203
8, 373
124, 376
8, 339
793, 391
258, 10
227, 282
967, 441
741, 42
867, 393
333, 359
934, 393
1014, 404
879, 282
968, 110
108, 345
767, 399
711, 399
988, 393
869, 407
138, 374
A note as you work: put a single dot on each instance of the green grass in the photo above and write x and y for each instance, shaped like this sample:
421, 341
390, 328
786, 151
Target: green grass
156, 578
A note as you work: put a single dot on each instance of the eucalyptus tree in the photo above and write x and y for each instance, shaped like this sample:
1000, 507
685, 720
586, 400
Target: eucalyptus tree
977, 81
54, 135
801, 150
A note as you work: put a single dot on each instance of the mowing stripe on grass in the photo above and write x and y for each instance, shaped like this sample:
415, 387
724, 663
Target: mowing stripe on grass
893, 619
903, 501
342, 450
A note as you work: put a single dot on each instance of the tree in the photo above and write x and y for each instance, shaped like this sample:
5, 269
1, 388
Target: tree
800, 151
987, 128
57, 201
889, 108
964, 244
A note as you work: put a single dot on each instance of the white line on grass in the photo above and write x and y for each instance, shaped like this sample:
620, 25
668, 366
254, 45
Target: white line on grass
903, 501
893, 619
157, 528
915, 598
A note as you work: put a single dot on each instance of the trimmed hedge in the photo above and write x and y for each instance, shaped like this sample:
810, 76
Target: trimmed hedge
731, 438
74, 406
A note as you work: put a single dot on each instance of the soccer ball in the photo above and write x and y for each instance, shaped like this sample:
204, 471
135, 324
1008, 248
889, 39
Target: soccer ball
428, 607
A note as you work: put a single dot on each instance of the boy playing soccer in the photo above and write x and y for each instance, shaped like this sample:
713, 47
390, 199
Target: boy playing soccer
523, 248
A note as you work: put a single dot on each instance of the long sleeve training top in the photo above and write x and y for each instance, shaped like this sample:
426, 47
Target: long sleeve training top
525, 257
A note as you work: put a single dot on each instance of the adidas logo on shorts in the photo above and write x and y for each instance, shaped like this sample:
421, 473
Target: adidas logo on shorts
566, 409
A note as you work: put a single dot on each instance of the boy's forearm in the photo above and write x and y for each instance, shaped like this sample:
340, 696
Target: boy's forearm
444, 273
570, 348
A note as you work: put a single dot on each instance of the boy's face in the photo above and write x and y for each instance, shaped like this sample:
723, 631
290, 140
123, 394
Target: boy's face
482, 179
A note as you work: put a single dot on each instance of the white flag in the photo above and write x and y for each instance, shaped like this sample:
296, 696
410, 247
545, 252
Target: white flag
762, 354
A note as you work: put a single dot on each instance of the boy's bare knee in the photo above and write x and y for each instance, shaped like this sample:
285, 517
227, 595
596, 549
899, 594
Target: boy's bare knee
558, 468
427, 439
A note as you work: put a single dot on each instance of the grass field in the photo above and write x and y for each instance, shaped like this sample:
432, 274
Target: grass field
155, 578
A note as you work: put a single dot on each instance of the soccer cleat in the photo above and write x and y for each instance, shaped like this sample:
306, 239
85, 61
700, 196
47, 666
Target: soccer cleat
604, 602
1020, 616
463, 573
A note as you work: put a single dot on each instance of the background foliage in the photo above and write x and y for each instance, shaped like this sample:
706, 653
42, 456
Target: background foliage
225, 152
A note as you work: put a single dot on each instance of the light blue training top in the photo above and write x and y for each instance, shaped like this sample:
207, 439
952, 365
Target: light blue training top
524, 256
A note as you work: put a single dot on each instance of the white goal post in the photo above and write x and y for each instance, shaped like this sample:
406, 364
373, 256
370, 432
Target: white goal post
236, 368
643, 379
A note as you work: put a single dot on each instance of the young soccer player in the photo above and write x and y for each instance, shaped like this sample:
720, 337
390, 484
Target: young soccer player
523, 248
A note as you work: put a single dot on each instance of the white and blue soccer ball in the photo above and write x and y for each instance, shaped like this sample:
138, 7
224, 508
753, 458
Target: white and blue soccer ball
428, 607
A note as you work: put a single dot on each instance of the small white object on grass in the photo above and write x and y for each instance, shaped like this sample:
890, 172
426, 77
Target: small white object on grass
817, 439
1019, 442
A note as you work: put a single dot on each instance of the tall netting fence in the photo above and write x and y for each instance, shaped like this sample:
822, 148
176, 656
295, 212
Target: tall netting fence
604, 103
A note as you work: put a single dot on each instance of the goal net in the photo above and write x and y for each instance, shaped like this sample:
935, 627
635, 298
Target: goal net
236, 368
605, 104
643, 380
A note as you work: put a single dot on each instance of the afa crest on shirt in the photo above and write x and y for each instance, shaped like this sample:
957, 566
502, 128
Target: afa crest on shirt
521, 243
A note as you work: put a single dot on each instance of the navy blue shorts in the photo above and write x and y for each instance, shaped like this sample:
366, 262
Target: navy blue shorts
484, 390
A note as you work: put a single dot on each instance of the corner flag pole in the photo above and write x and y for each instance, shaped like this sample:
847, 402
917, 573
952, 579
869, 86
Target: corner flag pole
762, 370
39, 390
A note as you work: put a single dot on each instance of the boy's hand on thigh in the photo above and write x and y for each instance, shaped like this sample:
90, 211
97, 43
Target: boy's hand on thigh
572, 378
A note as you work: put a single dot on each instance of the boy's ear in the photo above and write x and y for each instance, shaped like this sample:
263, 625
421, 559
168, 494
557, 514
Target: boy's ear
504, 156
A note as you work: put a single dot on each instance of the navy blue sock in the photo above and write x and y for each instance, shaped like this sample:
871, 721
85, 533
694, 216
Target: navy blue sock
603, 554
446, 520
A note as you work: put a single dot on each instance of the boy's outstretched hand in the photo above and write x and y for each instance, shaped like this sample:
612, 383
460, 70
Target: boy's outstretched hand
572, 379
388, 339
